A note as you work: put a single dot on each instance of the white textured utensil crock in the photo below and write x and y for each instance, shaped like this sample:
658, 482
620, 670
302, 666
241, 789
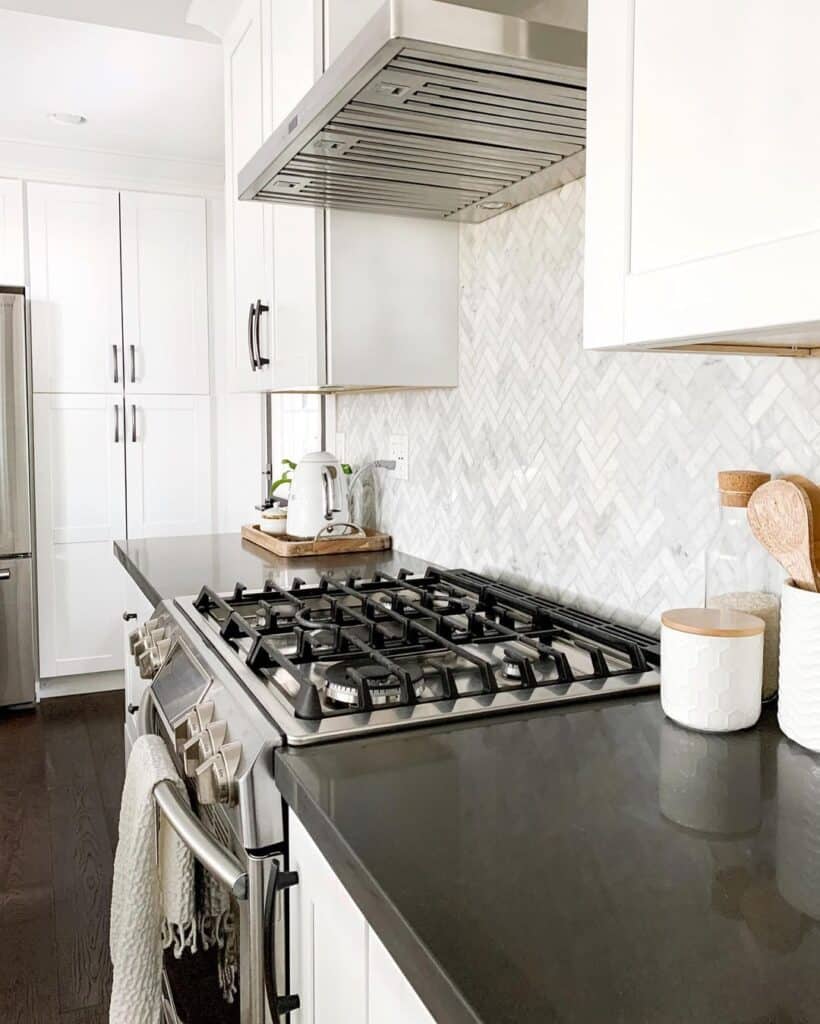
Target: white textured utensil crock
711, 668
798, 707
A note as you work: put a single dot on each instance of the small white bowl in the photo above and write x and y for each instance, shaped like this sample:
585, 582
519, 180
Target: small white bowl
274, 520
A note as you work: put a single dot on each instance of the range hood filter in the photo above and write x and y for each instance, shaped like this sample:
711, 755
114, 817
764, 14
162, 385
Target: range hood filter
435, 111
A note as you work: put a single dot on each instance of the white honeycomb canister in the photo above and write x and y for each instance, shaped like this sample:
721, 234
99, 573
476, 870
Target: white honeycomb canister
711, 668
798, 705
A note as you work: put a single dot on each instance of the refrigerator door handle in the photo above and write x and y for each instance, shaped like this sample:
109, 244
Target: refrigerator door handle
5, 574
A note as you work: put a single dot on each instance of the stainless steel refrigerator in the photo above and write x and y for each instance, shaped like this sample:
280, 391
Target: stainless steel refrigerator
17, 630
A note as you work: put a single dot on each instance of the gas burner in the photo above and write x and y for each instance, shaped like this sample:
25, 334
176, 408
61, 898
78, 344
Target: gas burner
344, 682
410, 649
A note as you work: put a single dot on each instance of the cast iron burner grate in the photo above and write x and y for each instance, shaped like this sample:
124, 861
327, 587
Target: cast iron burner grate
344, 647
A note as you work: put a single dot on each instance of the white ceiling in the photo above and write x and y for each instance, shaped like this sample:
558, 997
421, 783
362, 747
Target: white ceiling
164, 17
143, 94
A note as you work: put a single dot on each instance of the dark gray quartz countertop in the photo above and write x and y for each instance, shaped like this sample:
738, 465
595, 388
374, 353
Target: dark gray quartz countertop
165, 567
592, 864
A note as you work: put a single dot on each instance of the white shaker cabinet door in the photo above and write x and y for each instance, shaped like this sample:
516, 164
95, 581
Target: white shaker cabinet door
164, 294
248, 225
391, 998
168, 458
12, 246
80, 503
702, 198
329, 940
136, 610
74, 256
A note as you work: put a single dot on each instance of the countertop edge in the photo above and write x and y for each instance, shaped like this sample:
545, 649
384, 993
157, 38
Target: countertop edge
442, 998
141, 581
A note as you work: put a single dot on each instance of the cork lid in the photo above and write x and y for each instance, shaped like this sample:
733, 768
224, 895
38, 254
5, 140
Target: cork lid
738, 485
712, 622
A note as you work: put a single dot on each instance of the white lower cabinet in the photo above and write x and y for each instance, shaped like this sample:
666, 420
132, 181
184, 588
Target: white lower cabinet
90, 451
339, 969
80, 501
137, 609
168, 465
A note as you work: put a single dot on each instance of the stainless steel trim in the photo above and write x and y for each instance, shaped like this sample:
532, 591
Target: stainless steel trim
15, 482
208, 852
433, 110
17, 632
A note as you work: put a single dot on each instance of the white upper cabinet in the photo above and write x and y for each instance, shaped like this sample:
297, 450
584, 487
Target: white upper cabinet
249, 255
12, 245
346, 300
392, 282
703, 205
168, 463
164, 294
74, 256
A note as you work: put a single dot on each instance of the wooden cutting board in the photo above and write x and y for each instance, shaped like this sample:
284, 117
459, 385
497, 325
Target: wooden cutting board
301, 547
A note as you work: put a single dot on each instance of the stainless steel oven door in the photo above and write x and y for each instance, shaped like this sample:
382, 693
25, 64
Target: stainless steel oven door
256, 882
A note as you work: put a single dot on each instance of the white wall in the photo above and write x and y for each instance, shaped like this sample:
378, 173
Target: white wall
589, 475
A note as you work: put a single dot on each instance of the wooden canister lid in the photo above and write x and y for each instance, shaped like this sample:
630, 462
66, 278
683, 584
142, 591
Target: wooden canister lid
738, 485
713, 622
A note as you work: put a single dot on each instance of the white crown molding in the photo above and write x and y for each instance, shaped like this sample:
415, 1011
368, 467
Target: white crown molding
215, 16
38, 161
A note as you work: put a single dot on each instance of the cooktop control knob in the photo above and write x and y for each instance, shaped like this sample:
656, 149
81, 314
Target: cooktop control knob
216, 777
196, 721
202, 745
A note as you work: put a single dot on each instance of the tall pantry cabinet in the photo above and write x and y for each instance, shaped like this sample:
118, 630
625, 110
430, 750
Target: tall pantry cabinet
120, 359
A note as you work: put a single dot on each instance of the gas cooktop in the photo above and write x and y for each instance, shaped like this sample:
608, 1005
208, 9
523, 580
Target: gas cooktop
337, 658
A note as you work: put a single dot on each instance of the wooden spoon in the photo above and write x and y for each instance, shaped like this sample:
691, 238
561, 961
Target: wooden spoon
780, 515
813, 494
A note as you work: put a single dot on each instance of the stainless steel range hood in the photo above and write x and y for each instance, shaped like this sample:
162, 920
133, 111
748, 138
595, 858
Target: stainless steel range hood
435, 111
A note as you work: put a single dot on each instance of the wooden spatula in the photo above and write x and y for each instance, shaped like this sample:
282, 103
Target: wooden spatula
780, 515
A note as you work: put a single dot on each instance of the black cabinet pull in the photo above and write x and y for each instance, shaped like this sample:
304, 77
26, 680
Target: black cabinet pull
117, 424
251, 314
116, 364
133, 423
280, 1006
128, 616
133, 365
260, 309
133, 709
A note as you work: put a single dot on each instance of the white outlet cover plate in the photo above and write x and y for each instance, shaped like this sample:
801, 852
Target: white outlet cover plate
399, 452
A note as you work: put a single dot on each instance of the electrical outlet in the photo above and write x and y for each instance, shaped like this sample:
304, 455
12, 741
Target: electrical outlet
339, 447
398, 451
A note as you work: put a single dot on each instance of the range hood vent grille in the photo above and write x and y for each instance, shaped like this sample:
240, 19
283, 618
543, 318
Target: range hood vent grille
430, 130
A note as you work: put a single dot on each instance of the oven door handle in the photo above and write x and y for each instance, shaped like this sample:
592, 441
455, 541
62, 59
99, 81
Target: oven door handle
278, 880
210, 854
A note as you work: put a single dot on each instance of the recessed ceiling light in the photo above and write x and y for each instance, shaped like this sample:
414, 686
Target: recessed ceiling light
73, 119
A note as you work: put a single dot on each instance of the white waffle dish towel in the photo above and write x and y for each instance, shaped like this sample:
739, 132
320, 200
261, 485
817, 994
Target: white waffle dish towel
152, 900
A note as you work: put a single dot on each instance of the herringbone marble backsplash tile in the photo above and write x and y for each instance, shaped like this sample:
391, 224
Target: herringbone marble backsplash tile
590, 477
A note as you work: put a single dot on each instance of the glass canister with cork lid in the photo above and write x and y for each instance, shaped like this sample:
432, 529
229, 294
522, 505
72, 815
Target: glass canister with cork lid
738, 573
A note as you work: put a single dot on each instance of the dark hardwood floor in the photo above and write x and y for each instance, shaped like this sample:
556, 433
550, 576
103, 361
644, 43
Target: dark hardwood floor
61, 774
